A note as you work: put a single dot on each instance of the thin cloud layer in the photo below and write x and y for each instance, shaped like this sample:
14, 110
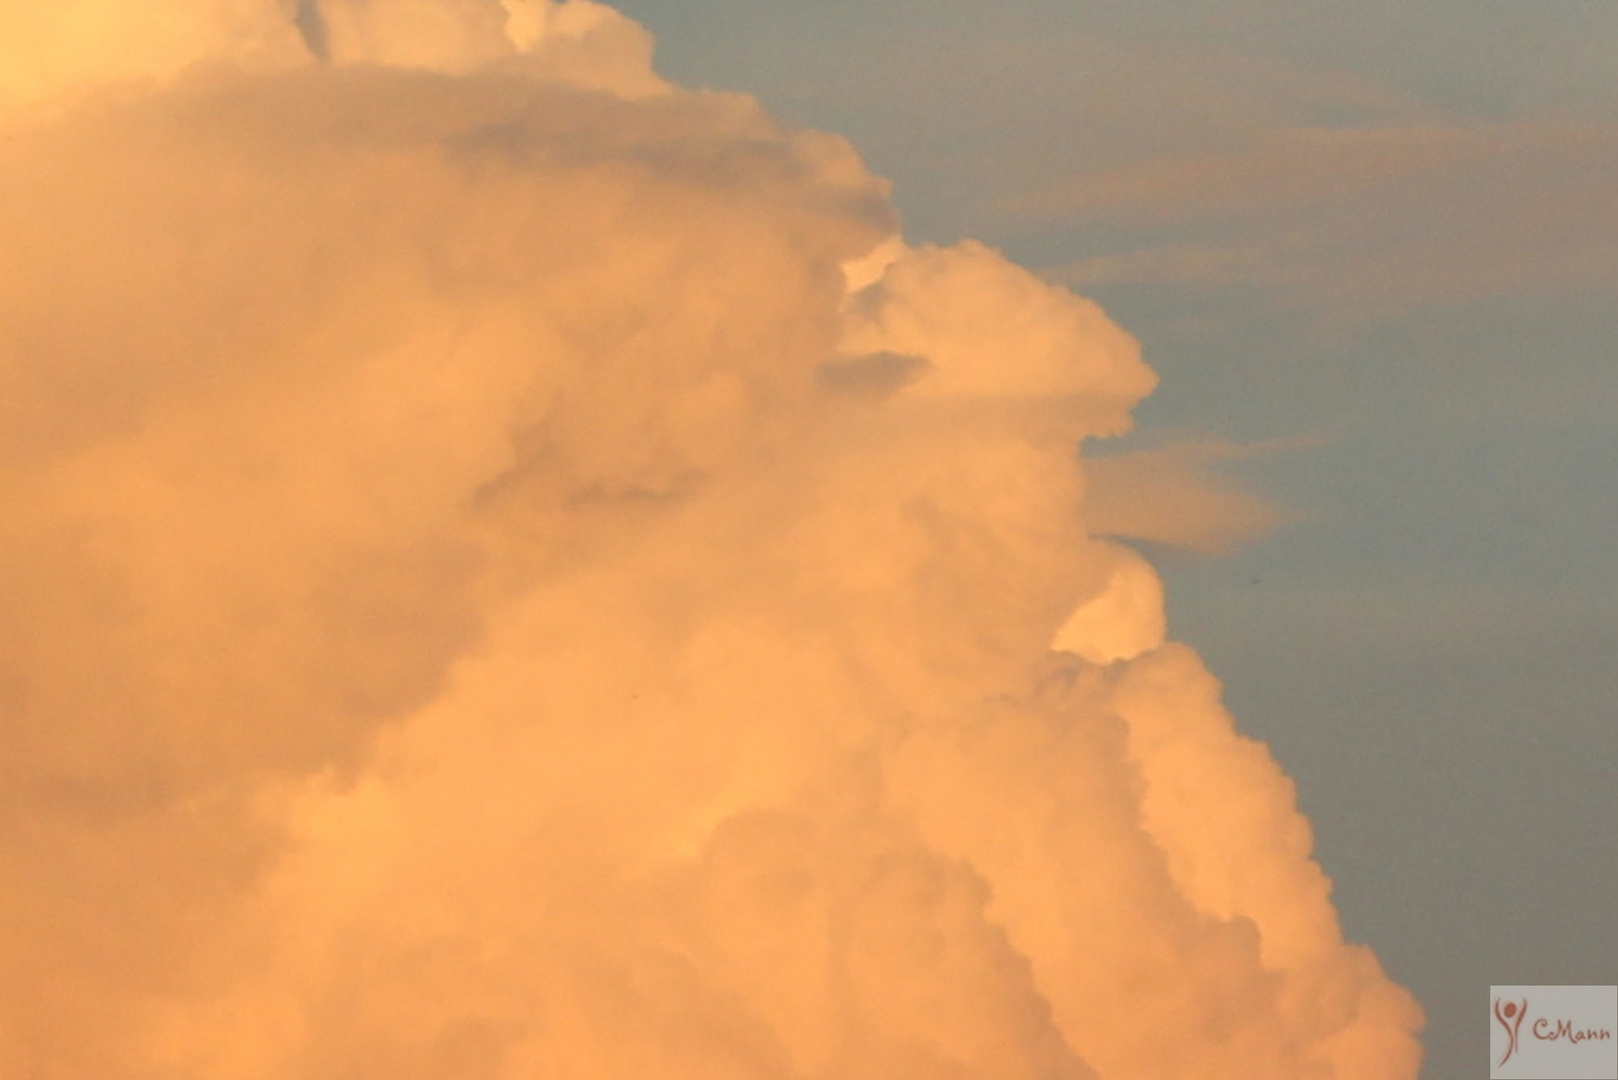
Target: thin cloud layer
1377, 221
513, 570
1175, 495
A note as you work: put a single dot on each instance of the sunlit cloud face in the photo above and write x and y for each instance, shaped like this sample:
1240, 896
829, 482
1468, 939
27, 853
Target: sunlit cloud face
513, 570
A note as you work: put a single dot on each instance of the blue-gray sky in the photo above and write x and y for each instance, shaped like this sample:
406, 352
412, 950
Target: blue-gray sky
1388, 232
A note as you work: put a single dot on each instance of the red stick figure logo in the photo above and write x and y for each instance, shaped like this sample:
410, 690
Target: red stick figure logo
1510, 1016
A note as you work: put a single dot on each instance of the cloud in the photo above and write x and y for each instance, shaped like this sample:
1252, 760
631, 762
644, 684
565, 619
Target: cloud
1378, 220
1173, 495
513, 569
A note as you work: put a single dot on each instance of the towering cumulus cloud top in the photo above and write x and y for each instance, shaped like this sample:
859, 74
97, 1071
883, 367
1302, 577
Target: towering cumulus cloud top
514, 570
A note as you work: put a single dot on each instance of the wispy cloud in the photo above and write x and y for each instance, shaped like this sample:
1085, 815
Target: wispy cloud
1372, 220
1178, 495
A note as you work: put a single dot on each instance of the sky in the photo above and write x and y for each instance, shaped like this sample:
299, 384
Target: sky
1379, 246
523, 566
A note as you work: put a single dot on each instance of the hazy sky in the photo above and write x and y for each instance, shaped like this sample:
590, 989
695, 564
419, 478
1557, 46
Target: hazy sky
1388, 231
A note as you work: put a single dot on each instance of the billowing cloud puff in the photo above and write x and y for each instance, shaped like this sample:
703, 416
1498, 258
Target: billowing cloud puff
512, 569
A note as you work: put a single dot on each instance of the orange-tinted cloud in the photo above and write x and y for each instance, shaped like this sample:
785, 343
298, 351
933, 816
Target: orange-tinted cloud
513, 570
1374, 220
1175, 495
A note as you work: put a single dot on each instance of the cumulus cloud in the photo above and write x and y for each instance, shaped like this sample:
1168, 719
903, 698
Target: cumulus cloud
513, 569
